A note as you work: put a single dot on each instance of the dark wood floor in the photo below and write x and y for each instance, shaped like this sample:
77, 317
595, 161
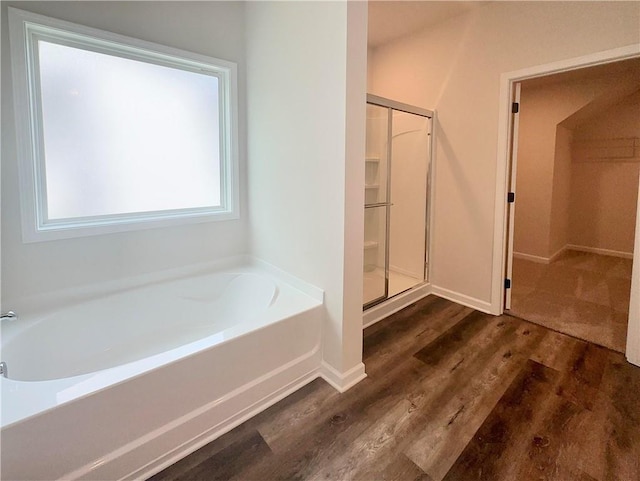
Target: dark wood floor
451, 394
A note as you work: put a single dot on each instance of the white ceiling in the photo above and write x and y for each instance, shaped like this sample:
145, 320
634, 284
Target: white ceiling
392, 19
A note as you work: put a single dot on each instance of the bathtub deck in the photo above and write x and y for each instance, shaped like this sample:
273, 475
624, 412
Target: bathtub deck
451, 394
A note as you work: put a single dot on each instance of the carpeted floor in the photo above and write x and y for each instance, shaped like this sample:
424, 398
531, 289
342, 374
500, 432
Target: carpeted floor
581, 294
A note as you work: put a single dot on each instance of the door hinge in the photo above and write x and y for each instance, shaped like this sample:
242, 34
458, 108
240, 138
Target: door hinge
515, 107
507, 283
511, 197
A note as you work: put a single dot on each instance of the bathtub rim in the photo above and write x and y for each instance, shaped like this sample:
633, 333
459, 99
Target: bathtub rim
121, 373
57, 299
15, 329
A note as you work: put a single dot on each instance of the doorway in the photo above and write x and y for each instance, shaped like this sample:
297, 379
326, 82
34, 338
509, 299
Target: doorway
397, 165
575, 175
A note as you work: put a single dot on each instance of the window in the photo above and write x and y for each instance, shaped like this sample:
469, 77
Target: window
118, 134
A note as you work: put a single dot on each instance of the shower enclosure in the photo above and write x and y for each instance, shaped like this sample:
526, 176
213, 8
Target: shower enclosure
396, 209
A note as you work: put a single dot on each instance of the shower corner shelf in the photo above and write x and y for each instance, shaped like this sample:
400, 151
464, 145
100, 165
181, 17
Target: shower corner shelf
370, 244
372, 160
372, 186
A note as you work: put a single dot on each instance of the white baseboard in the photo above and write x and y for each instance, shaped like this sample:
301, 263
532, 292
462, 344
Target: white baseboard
540, 259
532, 258
397, 303
598, 250
558, 253
477, 304
572, 247
393, 305
342, 381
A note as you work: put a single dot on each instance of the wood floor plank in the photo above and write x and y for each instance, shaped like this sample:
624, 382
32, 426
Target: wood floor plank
447, 431
427, 312
403, 319
453, 339
590, 452
400, 343
621, 387
344, 429
547, 453
374, 388
582, 380
582, 446
375, 446
365, 448
560, 436
380, 399
572, 433
300, 456
400, 468
229, 461
446, 380
235, 437
308, 403
493, 452
390, 345
450, 394
555, 350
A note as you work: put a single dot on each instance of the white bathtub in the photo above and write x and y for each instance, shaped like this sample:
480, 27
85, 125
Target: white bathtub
118, 386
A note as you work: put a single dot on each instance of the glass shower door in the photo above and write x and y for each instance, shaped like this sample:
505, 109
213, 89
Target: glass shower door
398, 155
409, 192
376, 208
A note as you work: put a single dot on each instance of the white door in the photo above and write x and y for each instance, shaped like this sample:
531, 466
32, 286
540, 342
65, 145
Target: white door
513, 161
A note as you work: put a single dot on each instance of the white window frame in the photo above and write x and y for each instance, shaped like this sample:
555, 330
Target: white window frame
25, 29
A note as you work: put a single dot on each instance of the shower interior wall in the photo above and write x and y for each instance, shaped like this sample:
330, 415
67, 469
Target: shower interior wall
376, 175
409, 168
406, 190
409, 171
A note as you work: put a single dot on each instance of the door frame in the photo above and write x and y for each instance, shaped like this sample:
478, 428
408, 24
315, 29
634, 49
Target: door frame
500, 252
512, 169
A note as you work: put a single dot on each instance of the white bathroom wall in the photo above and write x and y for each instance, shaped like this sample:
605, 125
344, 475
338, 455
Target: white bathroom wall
604, 194
560, 201
306, 95
455, 68
209, 28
